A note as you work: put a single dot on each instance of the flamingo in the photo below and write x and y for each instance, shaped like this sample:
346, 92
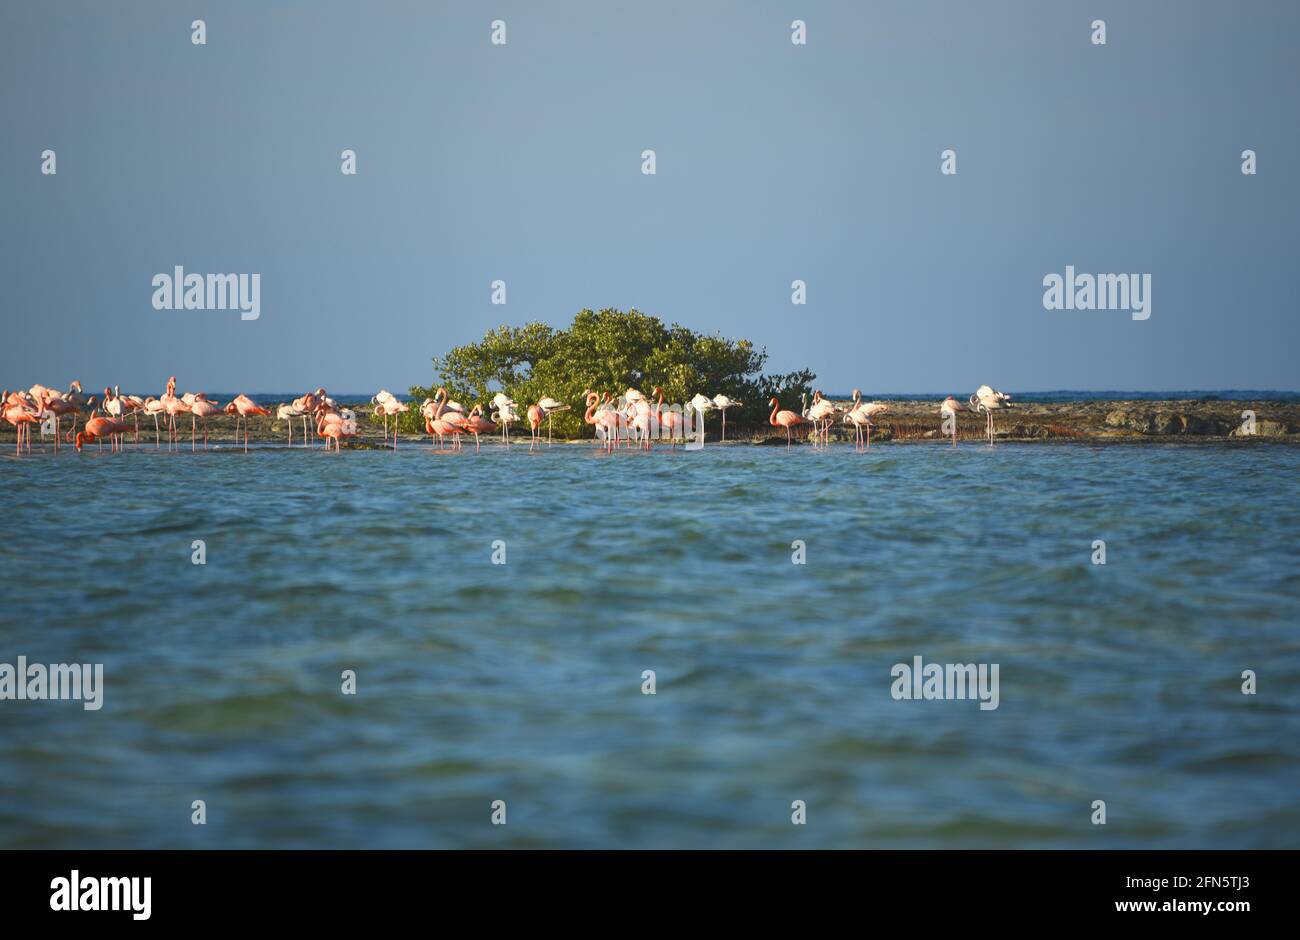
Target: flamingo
784, 419
702, 405
243, 407
154, 406
173, 406
861, 414
445, 422
113, 406
638, 416
97, 428
386, 404
857, 419
722, 403
429, 411
476, 424
40, 396
667, 419
948, 411
534, 426
505, 414
289, 413
55, 404
22, 416
454, 421
393, 408
988, 400
307, 406
550, 407
606, 422
77, 399
132, 405
329, 425
202, 408
821, 414
436, 426
58, 407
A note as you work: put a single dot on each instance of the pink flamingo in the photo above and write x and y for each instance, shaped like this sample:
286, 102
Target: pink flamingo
133, 405
667, 419
78, 400
97, 428
387, 405
173, 406
22, 416
59, 407
476, 424
392, 409
639, 414
784, 419
534, 426
442, 422
244, 407
203, 409
329, 425
452, 416
862, 412
606, 420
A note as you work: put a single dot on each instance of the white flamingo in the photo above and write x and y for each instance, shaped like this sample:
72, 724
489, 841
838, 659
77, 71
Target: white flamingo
821, 414
506, 413
861, 413
550, 407
289, 413
987, 400
722, 403
948, 412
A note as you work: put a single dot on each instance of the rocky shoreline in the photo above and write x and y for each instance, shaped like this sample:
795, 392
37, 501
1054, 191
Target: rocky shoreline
1111, 421
1098, 421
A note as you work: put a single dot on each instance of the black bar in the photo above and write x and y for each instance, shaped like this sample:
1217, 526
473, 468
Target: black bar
213, 889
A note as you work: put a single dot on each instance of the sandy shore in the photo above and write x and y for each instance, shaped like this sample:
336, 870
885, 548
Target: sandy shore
1088, 421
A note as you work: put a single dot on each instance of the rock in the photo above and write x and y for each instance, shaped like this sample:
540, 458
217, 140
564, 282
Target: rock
1168, 424
1263, 428
1126, 420
1205, 427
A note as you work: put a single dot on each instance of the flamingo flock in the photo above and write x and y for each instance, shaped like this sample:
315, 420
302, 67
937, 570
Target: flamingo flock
633, 419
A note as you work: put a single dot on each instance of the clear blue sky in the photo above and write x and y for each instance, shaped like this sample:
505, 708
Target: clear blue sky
775, 162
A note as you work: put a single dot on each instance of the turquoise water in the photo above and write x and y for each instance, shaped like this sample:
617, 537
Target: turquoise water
478, 682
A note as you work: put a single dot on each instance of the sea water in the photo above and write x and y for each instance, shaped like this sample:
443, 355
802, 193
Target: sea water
524, 681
